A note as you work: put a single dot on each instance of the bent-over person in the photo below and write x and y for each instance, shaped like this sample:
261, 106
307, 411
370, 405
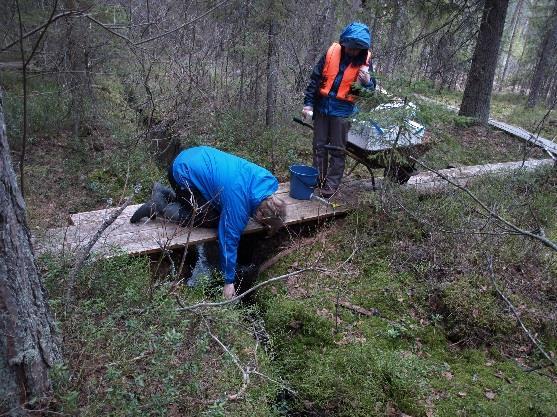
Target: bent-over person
224, 190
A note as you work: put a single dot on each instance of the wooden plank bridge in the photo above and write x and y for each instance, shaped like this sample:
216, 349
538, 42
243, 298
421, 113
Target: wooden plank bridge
122, 237
549, 146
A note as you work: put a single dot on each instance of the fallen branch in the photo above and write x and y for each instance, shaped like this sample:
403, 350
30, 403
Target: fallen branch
540, 237
515, 312
86, 251
252, 289
245, 372
358, 309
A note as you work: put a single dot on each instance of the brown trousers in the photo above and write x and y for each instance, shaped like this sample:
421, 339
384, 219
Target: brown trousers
329, 132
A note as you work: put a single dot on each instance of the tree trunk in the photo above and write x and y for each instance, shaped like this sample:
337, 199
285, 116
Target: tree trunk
391, 41
524, 34
272, 73
546, 52
552, 95
514, 25
479, 84
321, 35
28, 343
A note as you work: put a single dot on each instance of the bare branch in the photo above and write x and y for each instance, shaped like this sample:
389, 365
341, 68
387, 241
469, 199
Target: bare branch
515, 312
195, 19
32, 32
245, 372
87, 250
252, 289
545, 241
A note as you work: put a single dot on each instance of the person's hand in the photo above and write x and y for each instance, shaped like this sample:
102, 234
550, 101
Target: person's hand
363, 76
307, 112
228, 291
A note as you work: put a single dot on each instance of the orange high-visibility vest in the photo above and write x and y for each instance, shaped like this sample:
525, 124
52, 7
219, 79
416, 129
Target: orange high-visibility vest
330, 71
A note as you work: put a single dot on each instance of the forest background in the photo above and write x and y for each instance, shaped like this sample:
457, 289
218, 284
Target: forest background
98, 97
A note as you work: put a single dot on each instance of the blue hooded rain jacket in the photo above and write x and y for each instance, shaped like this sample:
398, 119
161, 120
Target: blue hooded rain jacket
355, 35
234, 186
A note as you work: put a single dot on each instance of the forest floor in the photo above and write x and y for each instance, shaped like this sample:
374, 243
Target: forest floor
509, 108
443, 344
88, 171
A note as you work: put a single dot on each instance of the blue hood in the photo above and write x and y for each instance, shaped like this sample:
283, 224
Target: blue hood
356, 35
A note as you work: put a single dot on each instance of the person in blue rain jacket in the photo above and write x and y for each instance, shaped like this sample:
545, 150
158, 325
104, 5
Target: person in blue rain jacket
233, 189
329, 100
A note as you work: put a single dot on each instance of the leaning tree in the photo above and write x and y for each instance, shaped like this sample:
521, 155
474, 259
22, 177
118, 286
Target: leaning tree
28, 342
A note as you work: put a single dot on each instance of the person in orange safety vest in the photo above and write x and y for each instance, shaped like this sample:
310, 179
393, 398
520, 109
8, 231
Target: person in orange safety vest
330, 102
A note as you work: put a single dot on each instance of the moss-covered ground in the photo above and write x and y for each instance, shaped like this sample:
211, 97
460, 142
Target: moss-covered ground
443, 344
398, 314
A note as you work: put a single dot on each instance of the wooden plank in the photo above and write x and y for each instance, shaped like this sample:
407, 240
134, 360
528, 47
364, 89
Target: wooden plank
100, 215
464, 175
546, 144
154, 235
521, 133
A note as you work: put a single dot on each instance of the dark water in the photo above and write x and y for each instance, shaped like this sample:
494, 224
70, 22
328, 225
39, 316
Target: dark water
203, 260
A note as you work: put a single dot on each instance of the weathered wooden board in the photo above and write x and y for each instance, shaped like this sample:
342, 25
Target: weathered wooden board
463, 175
100, 215
154, 235
518, 132
521, 133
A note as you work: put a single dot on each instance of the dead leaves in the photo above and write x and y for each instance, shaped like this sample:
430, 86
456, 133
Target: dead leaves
446, 374
490, 395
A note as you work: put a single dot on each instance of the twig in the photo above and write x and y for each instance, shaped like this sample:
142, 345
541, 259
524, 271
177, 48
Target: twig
290, 390
32, 32
252, 289
87, 250
515, 312
455, 231
545, 241
357, 309
194, 212
183, 25
25, 62
245, 371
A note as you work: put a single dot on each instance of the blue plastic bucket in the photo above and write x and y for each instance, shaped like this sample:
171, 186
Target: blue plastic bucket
303, 180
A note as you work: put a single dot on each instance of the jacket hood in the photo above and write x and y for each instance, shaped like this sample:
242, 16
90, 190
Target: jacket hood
356, 35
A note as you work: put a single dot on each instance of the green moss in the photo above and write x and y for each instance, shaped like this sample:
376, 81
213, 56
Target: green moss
473, 310
343, 378
475, 385
130, 352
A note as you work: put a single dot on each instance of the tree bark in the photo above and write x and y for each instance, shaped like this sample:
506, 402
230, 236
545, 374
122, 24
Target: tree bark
552, 95
545, 54
28, 341
479, 84
514, 25
392, 36
272, 72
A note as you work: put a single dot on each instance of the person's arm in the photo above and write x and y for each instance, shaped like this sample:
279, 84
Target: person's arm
232, 223
366, 80
312, 90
